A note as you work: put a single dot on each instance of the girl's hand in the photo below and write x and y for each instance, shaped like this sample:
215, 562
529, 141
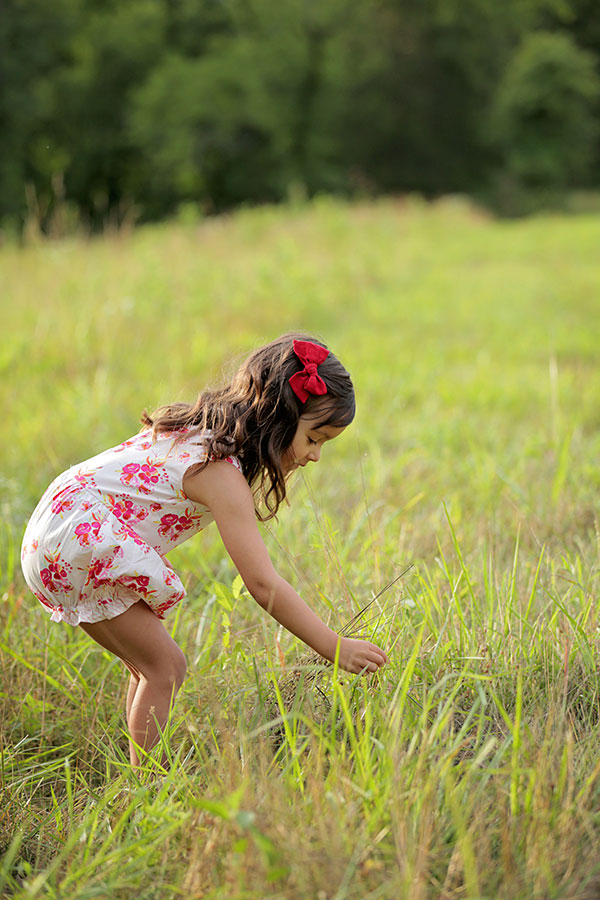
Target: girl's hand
224, 490
360, 656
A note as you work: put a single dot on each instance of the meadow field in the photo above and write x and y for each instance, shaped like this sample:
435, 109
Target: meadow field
470, 767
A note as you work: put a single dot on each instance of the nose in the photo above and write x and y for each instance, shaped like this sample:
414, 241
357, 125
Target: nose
314, 454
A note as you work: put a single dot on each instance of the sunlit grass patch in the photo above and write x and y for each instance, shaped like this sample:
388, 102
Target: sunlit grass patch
468, 768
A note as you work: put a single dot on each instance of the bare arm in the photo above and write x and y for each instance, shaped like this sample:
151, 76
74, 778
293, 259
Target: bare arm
224, 490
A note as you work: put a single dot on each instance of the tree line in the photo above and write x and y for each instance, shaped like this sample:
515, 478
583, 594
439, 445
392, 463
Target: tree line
112, 108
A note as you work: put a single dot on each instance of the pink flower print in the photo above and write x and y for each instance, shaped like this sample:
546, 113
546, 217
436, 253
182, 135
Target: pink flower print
98, 572
85, 478
61, 505
54, 607
88, 532
139, 440
125, 445
140, 583
126, 531
46, 576
167, 522
161, 608
142, 476
129, 472
186, 521
29, 548
170, 577
54, 575
64, 499
97, 569
126, 510
149, 474
172, 525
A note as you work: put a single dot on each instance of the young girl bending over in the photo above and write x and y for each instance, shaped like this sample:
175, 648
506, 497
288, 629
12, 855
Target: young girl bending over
94, 550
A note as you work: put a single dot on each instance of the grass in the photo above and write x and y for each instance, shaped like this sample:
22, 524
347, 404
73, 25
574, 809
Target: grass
469, 767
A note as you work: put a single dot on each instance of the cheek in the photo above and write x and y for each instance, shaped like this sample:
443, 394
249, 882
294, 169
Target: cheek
298, 449
291, 452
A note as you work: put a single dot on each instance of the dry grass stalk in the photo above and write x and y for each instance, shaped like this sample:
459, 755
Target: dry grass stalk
310, 669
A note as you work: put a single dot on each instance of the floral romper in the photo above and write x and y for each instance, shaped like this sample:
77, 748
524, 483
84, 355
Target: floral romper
97, 539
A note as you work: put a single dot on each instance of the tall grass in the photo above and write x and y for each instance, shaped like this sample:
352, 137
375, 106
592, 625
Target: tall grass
469, 767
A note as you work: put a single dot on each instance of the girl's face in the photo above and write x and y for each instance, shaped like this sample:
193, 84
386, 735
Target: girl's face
307, 443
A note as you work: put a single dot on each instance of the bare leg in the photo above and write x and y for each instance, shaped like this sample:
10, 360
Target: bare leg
157, 665
133, 686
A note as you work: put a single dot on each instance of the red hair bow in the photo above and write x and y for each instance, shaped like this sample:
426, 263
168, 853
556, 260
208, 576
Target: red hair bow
308, 381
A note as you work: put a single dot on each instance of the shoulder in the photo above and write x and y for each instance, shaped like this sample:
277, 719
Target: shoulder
220, 483
234, 461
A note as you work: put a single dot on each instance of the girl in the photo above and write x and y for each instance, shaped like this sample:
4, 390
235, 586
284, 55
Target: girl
94, 550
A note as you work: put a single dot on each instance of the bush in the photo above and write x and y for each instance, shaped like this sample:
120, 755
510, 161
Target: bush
544, 113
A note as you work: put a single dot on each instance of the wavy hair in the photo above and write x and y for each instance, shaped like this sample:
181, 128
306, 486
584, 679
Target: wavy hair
255, 416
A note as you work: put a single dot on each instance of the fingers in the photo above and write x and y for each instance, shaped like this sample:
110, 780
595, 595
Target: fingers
371, 653
378, 653
362, 657
372, 660
372, 666
365, 669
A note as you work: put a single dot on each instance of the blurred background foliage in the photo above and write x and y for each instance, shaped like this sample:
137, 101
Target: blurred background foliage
112, 111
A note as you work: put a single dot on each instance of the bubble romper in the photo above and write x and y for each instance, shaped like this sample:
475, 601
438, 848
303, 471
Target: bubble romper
97, 540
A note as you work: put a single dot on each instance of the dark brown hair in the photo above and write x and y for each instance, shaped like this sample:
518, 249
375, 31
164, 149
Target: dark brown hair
255, 416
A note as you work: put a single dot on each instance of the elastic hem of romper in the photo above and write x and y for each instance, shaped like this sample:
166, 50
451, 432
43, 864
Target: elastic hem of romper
91, 612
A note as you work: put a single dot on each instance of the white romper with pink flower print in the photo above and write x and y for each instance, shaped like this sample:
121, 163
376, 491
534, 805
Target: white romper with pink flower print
96, 541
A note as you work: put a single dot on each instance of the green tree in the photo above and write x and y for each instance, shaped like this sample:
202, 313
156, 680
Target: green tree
113, 51
251, 114
116, 106
544, 112
34, 41
420, 78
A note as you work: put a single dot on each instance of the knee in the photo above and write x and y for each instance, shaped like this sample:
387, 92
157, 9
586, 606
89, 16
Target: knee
179, 668
167, 673
174, 668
